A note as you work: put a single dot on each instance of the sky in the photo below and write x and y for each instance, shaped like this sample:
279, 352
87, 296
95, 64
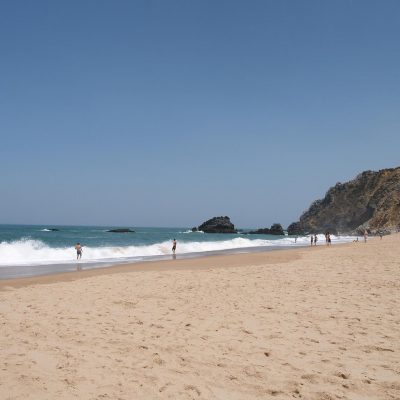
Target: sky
167, 113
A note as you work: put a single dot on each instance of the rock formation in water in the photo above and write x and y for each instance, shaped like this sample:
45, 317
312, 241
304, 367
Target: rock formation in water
276, 229
370, 201
295, 228
217, 225
121, 230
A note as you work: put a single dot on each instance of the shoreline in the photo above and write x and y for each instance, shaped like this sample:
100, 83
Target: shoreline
192, 261
28, 271
31, 270
221, 259
30, 252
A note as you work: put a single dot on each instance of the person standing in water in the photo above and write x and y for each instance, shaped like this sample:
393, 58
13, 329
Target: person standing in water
315, 239
328, 239
174, 246
78, 249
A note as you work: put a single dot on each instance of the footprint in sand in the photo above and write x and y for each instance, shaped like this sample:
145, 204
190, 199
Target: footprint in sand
310, 378
163, 388
325, 396
193, 388
342, 375
157, 359
274, 392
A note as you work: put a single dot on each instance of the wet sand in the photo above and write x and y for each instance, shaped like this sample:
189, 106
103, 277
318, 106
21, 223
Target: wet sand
312, 323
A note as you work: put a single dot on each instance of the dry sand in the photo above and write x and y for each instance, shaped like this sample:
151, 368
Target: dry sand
313, 323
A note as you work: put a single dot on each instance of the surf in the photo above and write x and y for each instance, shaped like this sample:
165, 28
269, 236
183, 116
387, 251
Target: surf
27, 251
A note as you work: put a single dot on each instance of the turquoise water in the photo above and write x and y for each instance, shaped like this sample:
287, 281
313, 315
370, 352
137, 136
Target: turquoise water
92, 236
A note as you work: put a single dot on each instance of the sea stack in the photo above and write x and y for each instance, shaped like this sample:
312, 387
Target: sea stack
217, 225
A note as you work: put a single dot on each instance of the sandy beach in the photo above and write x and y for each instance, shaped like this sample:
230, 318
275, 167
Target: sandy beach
313, 323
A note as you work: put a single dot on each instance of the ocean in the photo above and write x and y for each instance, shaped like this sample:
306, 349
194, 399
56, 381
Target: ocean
30, 250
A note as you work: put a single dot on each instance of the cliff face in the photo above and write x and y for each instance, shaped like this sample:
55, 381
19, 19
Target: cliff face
370, 201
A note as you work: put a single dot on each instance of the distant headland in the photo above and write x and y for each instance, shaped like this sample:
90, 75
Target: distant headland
370, 202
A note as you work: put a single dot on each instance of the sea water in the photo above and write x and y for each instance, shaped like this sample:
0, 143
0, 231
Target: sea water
27, 250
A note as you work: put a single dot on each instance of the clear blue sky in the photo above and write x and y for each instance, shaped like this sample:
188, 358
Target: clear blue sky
167, 113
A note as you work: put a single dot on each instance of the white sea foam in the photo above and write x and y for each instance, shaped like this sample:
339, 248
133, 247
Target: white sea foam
35, 252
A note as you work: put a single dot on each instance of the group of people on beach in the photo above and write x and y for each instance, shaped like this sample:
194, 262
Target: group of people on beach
314, 239
366, 236
328, 238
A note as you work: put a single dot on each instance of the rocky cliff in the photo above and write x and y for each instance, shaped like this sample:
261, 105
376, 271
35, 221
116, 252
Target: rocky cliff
370, 201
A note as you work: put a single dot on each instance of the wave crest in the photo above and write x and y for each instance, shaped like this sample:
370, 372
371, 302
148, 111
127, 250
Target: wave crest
35, 252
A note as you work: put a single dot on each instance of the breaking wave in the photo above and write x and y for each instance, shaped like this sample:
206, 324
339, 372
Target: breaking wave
35, 252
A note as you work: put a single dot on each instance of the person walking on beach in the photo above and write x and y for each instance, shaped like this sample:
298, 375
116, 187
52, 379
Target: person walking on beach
315, 239
312, 239
174, 246
365, 236
78, 249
